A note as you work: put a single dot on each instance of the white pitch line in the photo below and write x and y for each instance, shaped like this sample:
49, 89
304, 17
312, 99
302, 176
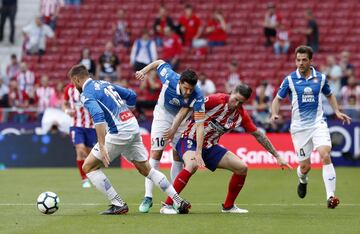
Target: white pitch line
194, 204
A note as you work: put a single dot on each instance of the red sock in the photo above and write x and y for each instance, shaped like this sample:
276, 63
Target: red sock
235, 185
179, 183
79, 164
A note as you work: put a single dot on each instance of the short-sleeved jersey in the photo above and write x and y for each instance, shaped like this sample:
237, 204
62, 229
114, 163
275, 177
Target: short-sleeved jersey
82, 117
219, 119
170, 96
305, 96
110, 103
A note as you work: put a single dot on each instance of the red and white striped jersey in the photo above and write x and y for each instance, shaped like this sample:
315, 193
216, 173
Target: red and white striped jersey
82, 117
219, 120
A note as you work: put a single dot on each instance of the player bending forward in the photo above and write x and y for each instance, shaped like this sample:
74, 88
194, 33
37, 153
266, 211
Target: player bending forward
308, 127
109, 107
223, 113
178, 90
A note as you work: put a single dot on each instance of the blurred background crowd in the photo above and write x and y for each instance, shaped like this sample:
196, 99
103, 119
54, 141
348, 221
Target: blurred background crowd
227, 44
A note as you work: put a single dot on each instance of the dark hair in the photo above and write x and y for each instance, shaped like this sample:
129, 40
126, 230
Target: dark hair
13, 56
304, 50
189, 76
78, 70
188, 6
244, 90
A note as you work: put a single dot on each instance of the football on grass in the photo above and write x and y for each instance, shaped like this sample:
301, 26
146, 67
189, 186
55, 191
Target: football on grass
48, 203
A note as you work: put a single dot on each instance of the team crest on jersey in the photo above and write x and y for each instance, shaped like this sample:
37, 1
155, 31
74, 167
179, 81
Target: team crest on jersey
163, 72
175, 102
315, 79
97, 86
308, 95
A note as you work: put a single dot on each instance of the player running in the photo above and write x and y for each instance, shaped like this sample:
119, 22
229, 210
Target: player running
177, 91
109, 107
82, 132
308, 128
223, 113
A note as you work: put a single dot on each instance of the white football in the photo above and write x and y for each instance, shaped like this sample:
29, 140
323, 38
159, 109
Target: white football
48, 202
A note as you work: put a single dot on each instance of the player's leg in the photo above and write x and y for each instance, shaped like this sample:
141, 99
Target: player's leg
233, 163
303, 147
92, 167
78, 137
176, 166
183, 177
135, 152
159, 126
322, 143
160, 180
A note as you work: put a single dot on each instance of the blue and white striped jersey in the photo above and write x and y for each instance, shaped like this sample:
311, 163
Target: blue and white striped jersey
305, 96
170, 96
110, 103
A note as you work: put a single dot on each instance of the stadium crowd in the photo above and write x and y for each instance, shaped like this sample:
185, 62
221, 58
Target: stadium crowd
23, 91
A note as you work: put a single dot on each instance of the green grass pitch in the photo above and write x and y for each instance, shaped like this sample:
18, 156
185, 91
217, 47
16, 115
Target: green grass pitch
269, 195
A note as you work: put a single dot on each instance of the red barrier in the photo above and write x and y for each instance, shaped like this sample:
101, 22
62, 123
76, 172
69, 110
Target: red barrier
248, 149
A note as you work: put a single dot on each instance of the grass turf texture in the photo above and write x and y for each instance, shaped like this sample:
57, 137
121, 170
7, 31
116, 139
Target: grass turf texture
269, 195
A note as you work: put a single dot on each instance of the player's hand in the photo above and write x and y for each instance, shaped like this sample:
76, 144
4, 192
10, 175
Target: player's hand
70, 112
274, 118
199, 160
343, 117
139, 75
283, 164
105, 156
169, 135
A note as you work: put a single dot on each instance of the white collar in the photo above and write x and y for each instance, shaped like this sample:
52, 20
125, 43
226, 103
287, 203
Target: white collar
313, 74
178, 92
85, 83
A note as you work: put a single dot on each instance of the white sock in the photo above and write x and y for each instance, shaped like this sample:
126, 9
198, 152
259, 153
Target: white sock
303, 178
102, 183
162, 182
329, 177
148, 183
176, 167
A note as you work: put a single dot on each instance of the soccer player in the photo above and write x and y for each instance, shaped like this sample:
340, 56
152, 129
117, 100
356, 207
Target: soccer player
118, 133
223, 113
82, 132
309, 129
177, 91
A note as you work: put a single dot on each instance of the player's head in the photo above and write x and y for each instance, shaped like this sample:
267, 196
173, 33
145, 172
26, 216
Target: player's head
188, 81
239, 95
78, 74
303, 58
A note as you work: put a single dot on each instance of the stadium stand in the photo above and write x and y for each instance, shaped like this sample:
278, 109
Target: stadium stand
90, 26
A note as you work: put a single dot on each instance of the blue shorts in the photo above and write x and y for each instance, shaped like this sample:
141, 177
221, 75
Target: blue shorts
86, 136
211, 156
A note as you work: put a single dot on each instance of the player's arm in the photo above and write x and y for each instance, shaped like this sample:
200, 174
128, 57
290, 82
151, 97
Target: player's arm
128, 95
140, 75
326, 90
282, 93
333, 103
98, 117
66, 104
199, 117
265, 142
180, 116
199, 120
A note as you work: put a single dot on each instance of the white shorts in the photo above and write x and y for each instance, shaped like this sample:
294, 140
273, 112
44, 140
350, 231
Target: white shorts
129, 146
162, 122
308, 140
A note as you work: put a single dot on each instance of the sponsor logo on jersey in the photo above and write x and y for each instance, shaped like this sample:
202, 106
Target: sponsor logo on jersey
308, 95
175, 102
